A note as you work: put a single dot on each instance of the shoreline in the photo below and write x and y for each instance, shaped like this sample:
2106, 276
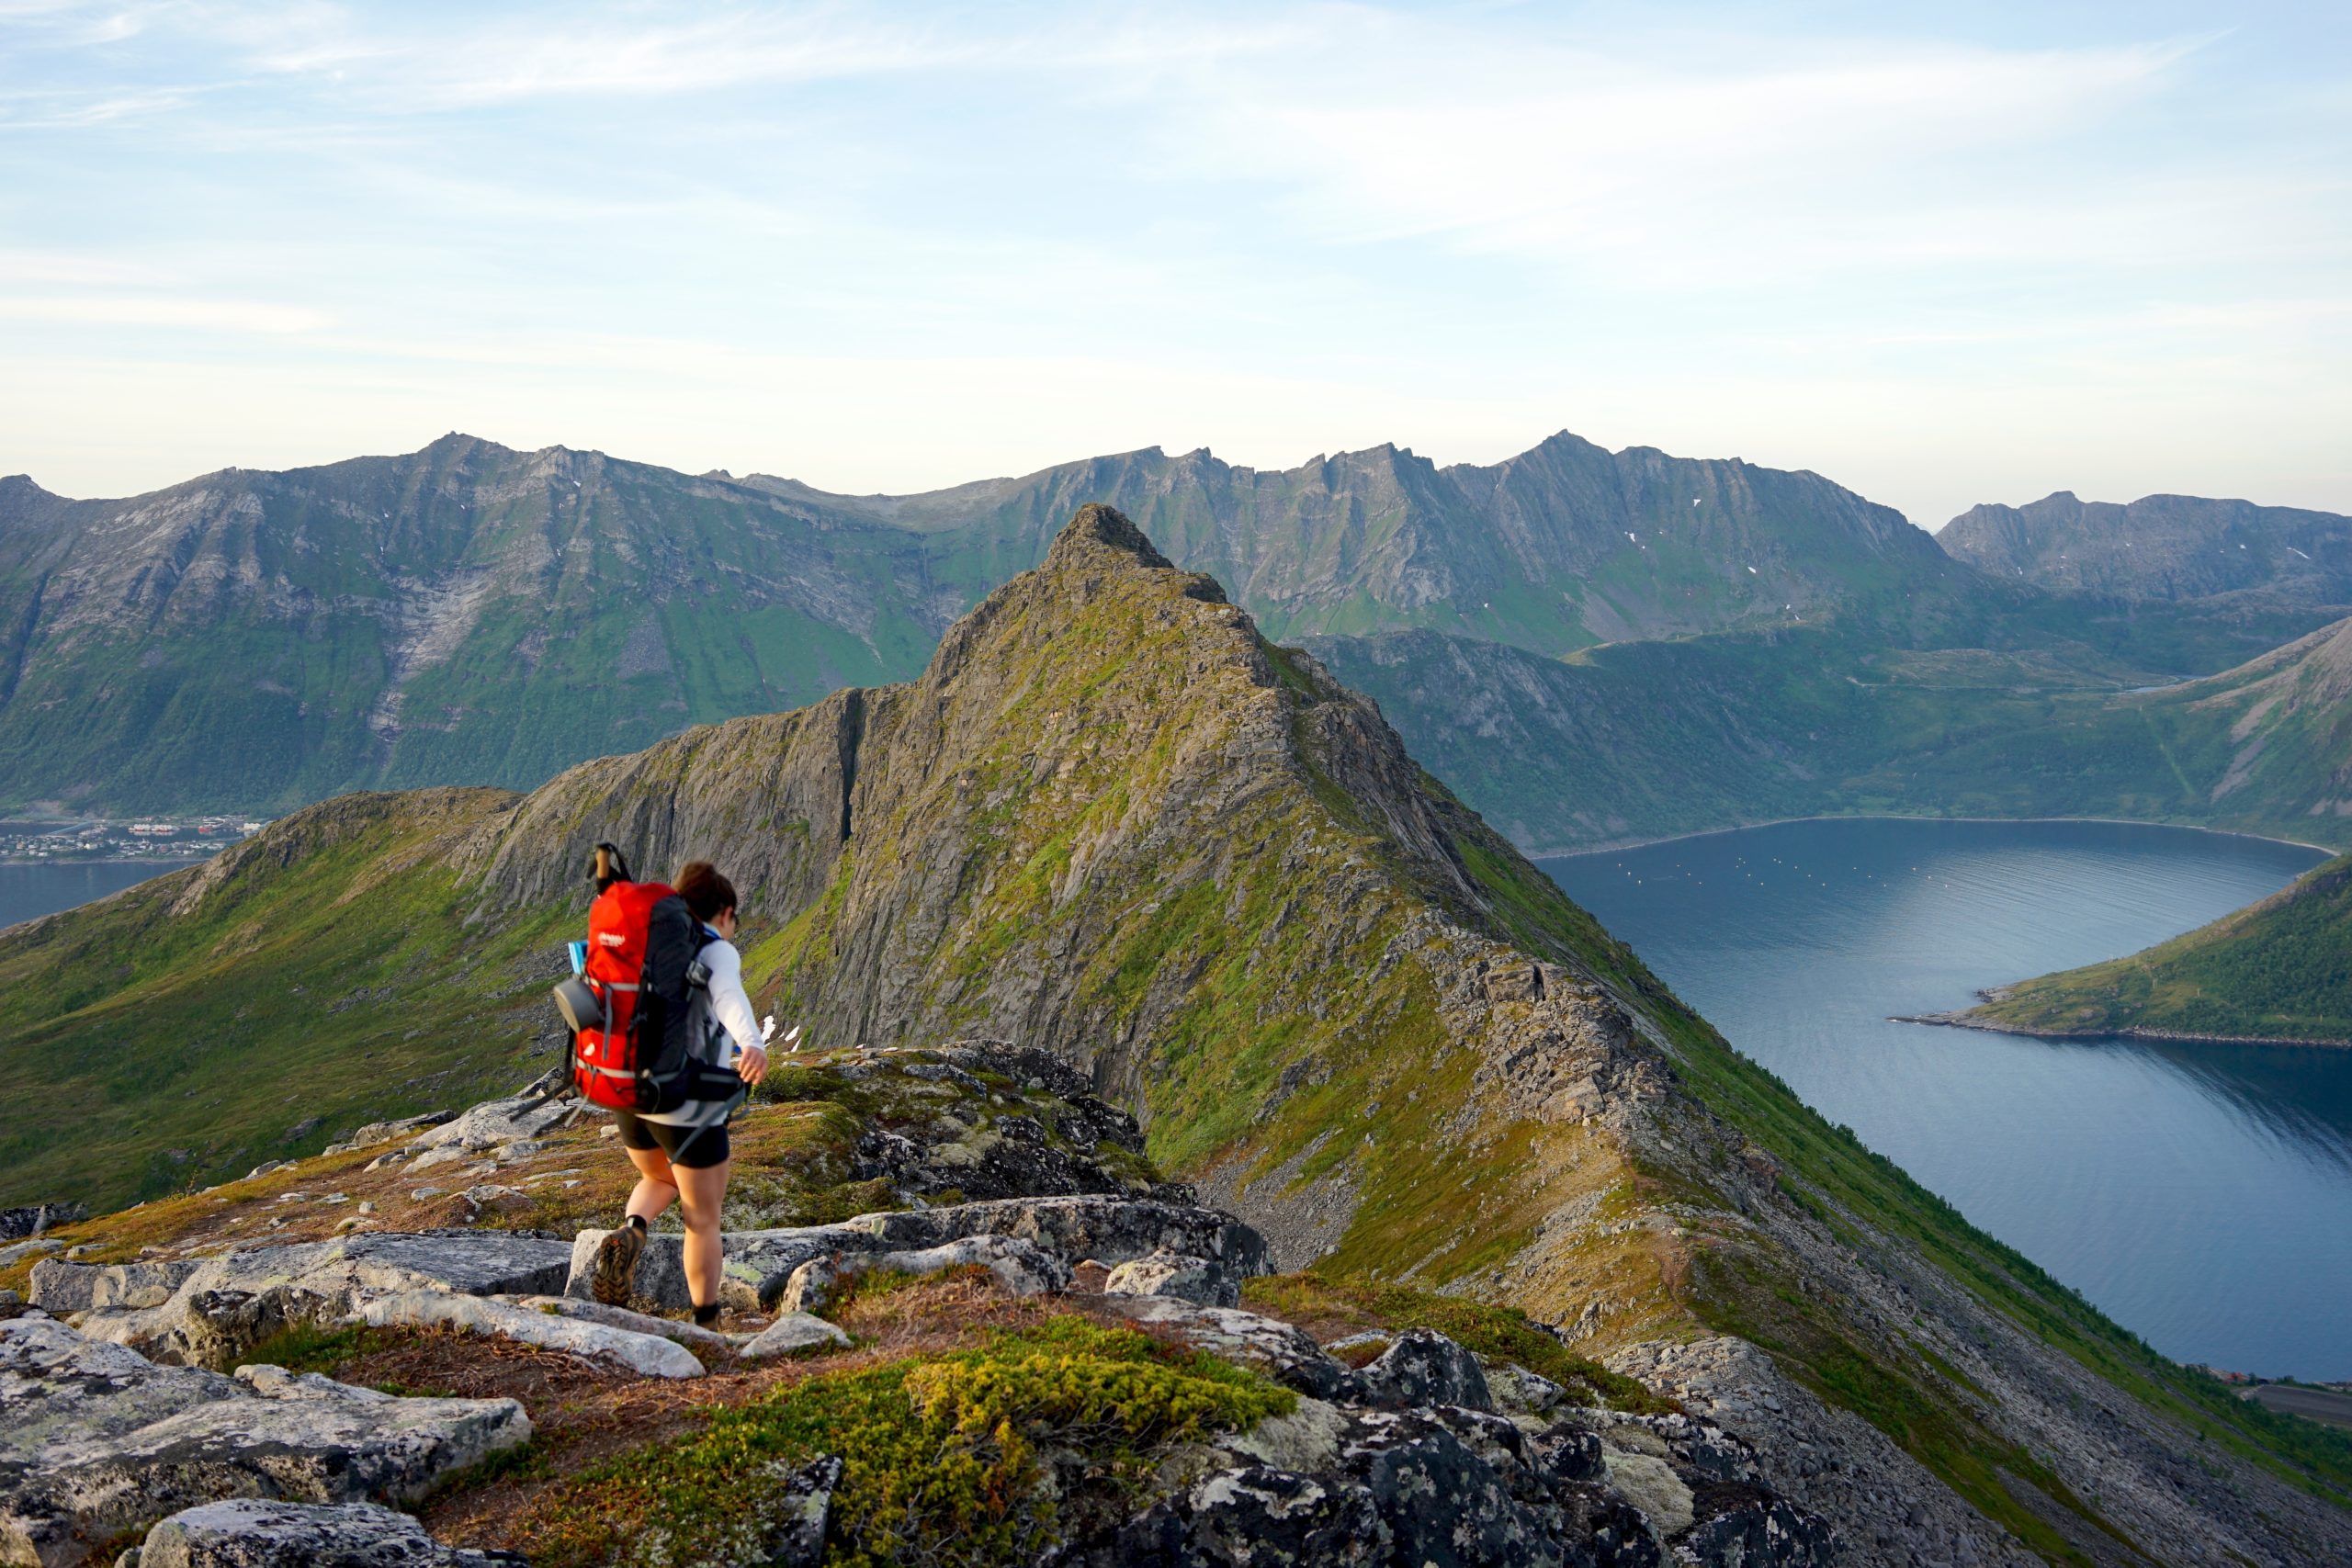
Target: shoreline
167, 863
1620, 845
1962, 1020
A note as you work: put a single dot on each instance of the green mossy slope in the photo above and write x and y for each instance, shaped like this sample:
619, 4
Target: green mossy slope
196, 1025
2280, 969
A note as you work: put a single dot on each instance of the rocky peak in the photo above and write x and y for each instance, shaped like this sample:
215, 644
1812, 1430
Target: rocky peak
1096, 528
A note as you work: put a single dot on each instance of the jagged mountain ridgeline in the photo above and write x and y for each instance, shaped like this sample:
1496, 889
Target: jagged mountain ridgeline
1564, 546
1112, 822
473, 614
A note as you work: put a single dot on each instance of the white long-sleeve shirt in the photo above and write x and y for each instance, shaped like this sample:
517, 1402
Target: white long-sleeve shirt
721, 1024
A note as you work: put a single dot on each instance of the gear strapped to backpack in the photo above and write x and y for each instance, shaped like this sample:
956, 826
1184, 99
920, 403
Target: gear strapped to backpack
631, 1006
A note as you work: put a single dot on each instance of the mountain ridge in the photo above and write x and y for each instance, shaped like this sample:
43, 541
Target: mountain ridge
2160, 546
1113, 816
471, 614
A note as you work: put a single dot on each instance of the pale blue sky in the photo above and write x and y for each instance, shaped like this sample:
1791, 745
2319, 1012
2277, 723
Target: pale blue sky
1941, 258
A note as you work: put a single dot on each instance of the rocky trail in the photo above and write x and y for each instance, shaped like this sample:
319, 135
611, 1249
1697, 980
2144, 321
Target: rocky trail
161, 1370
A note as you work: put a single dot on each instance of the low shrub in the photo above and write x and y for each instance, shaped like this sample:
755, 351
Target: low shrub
941, 1454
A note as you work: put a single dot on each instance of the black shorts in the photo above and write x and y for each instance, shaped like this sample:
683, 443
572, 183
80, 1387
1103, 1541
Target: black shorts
689, 1148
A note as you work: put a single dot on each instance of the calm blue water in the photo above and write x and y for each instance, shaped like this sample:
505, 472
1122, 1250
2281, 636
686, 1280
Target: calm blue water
2201, 1195
31, 890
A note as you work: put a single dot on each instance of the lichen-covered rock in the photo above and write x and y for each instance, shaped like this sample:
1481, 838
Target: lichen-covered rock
791, 1334
1255, 1517
1451, 1485
1283, 1352
58, 1286
798, 1513
1518, 1391
650, 1355
36, 1218
1110, 1230
140, 1284
224, 1305
1013, 1121
1174, 1274
1020, 1268
497, 1122
1422, 1367
96, 1439
703, 1342
251, 1532
1444, 1503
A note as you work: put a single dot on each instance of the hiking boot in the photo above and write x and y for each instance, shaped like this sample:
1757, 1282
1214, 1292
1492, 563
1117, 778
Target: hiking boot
617, 1265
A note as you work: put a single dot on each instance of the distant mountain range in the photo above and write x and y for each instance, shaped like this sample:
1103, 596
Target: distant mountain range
1591, 646
2161, 547
470, 613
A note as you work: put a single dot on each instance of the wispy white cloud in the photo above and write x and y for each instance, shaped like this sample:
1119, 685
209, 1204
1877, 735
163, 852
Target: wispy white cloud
31, 264
149, 311
1740, 162
633, 53
1458, 227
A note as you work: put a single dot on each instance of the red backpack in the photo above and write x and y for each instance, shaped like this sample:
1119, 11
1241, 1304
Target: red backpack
629, 1008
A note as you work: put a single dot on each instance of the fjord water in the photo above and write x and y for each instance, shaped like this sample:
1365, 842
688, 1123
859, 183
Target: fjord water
30, 889
2201, 1195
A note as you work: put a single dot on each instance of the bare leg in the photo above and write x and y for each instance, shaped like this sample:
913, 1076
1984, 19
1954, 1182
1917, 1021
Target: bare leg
657, 1185
702, 1192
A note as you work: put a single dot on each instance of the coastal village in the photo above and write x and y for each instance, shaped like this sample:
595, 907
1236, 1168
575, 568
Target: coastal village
90, 839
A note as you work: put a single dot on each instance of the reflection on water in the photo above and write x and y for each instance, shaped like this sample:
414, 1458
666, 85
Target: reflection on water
33, 888
2274, 1090
2203, 1195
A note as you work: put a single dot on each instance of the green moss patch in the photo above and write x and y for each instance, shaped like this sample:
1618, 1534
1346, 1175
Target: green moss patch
941, 1454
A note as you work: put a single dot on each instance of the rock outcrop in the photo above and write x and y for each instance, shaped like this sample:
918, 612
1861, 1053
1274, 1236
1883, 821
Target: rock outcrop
95, 1438
217, 1308
247, 1532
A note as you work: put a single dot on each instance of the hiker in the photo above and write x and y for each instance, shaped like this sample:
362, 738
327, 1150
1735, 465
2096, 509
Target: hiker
684, 1154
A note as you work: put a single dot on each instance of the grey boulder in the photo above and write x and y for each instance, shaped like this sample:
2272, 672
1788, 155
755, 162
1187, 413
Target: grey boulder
496, 1123
1420, 1367
648, 1355
224, 1305
96, 1439
1113, 1230
1281, 1350
1021, 1268
1175, 1274
251, 1532
792, 1333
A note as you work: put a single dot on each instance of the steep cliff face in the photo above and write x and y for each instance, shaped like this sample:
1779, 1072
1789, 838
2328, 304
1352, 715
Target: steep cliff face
1111, 821
2160, 546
